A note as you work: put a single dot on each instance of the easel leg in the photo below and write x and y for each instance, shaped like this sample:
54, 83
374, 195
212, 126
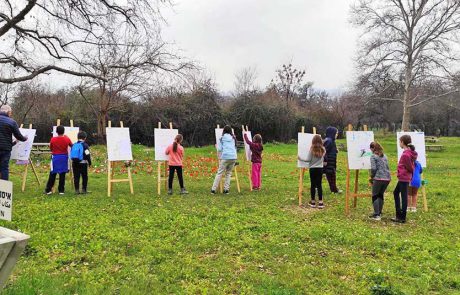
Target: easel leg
347, 193
109, 180
35, 172
130, 178
425, 203
24, 177
250, 176
301, 175
165, 178
355, 198
159, 179
237, 180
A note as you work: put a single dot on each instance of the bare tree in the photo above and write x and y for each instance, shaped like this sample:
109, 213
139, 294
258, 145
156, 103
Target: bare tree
245, 81
38, 36
412, 40
129, 71
288, 82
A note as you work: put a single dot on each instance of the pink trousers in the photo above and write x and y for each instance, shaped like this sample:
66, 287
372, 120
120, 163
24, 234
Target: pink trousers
256, 175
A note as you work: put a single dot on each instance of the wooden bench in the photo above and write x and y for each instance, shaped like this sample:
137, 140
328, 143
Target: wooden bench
431, 139
435, 148
40, 148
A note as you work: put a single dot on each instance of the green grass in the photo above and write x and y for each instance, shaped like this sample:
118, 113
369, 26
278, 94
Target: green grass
249, 243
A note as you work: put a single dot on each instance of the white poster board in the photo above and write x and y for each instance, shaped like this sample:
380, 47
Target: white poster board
304, 141
6, 199
21, 150
118, 144
247, 148
163, 138
359, 152
418, 140
218, 133
71, 132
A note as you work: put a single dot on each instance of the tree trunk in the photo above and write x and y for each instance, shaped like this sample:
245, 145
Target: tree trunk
101, 125
406, 103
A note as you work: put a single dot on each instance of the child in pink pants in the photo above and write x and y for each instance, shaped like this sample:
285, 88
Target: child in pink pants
256, 159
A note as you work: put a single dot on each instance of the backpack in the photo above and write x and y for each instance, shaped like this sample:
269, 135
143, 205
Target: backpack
76, 153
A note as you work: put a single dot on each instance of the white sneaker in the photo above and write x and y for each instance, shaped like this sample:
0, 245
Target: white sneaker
414, 209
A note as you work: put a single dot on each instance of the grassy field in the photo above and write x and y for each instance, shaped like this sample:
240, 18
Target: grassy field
248, 243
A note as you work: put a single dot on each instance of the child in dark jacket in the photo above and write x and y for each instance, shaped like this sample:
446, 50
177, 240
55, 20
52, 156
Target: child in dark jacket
405, 170
80, 165
330, 158
256, 159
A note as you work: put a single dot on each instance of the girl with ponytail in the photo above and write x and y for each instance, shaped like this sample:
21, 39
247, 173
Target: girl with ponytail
405, 171
175, 151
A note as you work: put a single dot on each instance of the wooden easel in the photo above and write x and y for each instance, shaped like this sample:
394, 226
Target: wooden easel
354, 194
165, 168
247, 164
235, 174
29, 162
110, 171
425, 203
302, 172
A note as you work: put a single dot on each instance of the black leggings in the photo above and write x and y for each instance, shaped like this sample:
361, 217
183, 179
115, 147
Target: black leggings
179, 175
400, 194
80, 169
52, 180
316, 177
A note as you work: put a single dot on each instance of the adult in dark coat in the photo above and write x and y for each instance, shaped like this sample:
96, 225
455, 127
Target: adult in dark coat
330, 158
8, 128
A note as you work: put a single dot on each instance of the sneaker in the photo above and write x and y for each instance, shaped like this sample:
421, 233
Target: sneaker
48, 193
312, 204
397, 220
320, 205
213, 192
183, 191
414, 209
84, 192
61, 193
170, 191
226, 192
77, 192
375, 217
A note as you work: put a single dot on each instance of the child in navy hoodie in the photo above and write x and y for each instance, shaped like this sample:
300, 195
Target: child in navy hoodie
405, 171
330, 159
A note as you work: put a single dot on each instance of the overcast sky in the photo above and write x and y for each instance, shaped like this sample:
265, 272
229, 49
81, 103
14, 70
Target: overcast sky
225, 36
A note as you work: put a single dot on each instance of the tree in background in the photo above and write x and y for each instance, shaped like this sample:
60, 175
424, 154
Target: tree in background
288, 82
413, 41
38, 36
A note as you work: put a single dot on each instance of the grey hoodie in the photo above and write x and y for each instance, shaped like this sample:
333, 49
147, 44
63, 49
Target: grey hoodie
314, 162
379, 168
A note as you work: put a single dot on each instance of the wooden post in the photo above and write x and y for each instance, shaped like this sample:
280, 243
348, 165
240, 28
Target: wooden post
159, 170
347, 193
221, 187
425, 203
247, 163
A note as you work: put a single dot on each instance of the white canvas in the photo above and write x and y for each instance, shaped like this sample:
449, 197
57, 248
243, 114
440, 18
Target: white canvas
418, 139
218, 133
119, 144
358, 146
163, 138
303, 147
21, 150
71, 132
6, 199
247, 148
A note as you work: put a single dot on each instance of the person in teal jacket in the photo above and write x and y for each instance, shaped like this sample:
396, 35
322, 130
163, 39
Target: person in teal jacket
226, 147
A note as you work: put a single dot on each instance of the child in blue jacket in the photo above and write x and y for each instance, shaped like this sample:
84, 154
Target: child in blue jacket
226, 147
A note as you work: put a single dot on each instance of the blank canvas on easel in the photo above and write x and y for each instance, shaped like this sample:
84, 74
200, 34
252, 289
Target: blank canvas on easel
418, 140
119, 144
247, 148
163, 138
21, 150
71, 132
358, 149
303, 147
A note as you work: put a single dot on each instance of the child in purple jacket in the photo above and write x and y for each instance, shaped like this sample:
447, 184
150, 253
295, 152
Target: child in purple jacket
405, 171
256, 159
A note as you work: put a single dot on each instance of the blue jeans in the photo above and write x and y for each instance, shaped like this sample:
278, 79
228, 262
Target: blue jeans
5, 164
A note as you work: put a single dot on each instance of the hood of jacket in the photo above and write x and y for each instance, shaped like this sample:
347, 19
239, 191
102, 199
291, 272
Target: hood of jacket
331, 132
